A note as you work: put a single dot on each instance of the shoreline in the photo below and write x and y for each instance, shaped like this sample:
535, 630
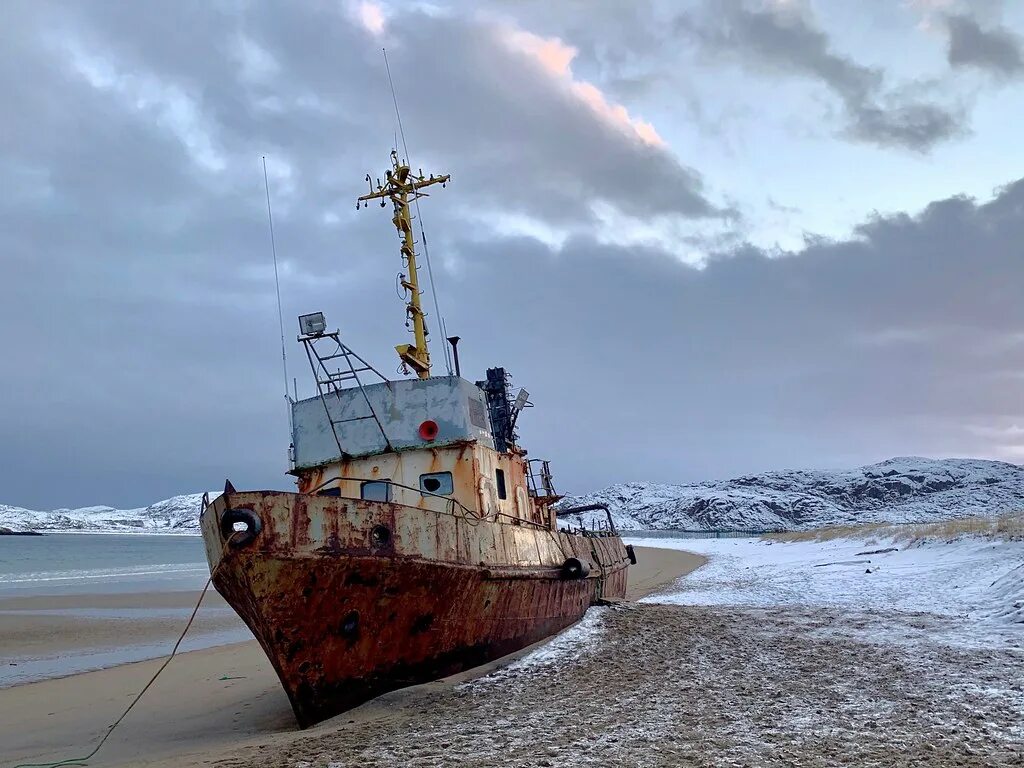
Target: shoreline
48, 637
209, 703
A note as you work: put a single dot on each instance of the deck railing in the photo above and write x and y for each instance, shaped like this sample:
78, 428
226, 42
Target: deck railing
450, 506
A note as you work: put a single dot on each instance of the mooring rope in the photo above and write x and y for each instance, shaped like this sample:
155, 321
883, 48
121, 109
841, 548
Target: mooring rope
84, 760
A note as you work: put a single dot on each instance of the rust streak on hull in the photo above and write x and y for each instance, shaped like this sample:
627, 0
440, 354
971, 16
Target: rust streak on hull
345, 612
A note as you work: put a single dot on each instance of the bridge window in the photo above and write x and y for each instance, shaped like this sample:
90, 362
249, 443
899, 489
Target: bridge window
438, 483
499, 479
375, 490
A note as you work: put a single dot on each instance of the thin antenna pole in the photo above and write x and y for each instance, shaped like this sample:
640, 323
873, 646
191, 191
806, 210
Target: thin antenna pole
419, 216
277, 284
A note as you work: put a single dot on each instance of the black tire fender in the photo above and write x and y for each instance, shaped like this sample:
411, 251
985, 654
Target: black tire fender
574, 568
240, 537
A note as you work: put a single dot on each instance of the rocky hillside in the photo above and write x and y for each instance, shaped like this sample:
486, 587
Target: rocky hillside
176, 515
901, 490
898, 490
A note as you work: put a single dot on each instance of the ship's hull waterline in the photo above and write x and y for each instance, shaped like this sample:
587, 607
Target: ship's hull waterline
350, 599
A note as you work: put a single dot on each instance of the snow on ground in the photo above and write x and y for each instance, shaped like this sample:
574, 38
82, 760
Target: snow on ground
581, 639
977, 582
759, 658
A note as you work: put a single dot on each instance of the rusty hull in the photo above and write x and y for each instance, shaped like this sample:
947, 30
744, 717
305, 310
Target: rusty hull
350, 598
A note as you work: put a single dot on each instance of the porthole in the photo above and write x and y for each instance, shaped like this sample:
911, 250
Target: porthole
437, 483
380, 535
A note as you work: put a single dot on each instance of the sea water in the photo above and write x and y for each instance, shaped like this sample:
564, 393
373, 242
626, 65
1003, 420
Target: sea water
66, 565
70, 563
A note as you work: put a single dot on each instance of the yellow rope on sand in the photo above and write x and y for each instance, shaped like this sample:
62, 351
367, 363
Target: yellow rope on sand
83, 760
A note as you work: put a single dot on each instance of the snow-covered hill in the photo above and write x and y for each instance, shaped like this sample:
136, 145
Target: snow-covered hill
898, 491
176, 515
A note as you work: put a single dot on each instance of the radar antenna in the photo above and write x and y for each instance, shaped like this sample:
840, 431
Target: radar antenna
402, 186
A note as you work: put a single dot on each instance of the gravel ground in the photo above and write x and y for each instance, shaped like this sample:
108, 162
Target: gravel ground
663, 685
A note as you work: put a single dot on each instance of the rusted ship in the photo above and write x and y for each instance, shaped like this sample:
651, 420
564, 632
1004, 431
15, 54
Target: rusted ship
421, 541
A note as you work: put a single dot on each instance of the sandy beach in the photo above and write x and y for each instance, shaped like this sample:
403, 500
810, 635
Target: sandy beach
207, 705
758, 658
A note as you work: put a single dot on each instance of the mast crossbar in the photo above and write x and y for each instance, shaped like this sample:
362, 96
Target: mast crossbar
401, 186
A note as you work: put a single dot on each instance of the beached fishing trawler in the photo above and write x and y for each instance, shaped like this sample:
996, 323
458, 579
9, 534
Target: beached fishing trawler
420, 541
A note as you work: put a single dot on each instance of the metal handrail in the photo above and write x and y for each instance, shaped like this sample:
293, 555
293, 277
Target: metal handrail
565, 512
541, 480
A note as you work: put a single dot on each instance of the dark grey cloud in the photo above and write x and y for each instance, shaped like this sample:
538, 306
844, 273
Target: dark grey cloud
137, 296
482, 99
787, 41
996, 50
137, 302
907, 339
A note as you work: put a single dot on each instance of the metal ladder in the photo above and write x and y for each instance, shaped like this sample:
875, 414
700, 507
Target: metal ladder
330, 382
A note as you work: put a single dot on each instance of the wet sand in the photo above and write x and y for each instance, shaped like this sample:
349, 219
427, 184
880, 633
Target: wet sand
44, 625
208, 705
45, 636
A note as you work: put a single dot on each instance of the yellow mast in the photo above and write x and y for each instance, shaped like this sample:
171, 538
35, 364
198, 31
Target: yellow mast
402, 186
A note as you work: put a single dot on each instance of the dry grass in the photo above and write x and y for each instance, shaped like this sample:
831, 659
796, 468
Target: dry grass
1005, 526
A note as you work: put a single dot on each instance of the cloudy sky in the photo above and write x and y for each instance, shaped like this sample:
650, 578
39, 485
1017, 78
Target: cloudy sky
711, 238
